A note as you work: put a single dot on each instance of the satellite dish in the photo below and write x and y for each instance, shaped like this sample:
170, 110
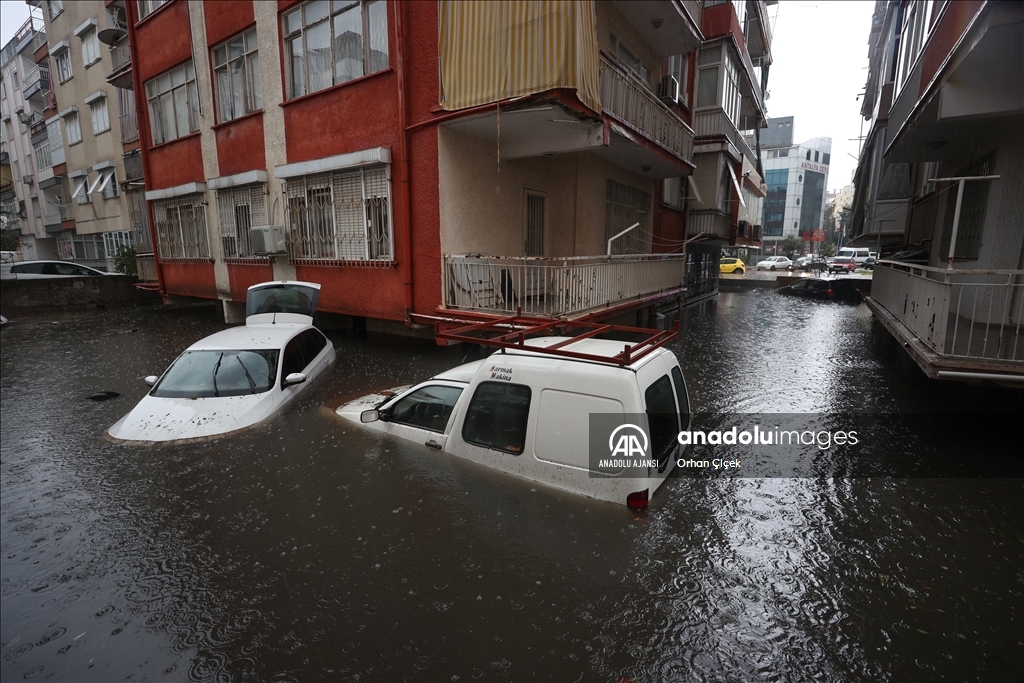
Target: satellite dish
111, 36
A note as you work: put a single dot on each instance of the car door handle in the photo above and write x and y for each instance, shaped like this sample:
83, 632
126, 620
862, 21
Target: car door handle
433, 444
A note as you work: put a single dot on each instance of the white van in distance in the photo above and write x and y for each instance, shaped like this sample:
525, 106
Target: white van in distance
859, 254
526, 409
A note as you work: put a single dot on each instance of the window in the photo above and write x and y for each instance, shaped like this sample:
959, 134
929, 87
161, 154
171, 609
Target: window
825, 158
62, 60
497, 416
105, 183
240, 209
210, 374
972, 211
73, 132
718, 81
54, 135
147, 7
341, 216
625, 206
629, 59
14, 78
783, 152
81, 193
808, 155
330, 43
533, 223
173, 103
181, 228
100, 117
816, 157
682, 398
895, 182
663, 418
301, 352
114, 242
236, 70
677, 65
55, 7
90, 47
428, 408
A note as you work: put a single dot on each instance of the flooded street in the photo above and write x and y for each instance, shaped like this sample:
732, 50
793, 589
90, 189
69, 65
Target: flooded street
309, 549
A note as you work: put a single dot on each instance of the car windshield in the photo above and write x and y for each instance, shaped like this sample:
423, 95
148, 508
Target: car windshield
212, 374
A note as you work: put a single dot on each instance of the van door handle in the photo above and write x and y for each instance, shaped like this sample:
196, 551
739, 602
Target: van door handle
433, 444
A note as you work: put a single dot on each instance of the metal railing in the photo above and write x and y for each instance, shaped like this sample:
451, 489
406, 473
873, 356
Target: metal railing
133, 167
120, 56
958, 313
708, 222
67, 211
36, 79
626, 99
556, 287
715, 122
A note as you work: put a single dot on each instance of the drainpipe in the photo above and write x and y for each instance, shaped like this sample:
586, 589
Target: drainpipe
143, 148
403, 154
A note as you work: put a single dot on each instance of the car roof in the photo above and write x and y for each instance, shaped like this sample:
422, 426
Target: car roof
250, 337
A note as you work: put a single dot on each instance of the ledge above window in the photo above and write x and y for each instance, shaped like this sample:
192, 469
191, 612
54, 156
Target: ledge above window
375, 155
176, 191
62, 46
85, 26
98, 95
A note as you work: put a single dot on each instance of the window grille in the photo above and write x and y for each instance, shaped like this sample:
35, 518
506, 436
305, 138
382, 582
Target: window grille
534, 224
241, 209
181, 229
341, 217
625, 206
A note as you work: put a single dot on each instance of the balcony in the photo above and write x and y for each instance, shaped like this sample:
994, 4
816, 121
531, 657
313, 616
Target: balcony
709, 222
37, 82
627, 100
129, 128
133, 166
566, 287
715, 122
953, 322
121, 70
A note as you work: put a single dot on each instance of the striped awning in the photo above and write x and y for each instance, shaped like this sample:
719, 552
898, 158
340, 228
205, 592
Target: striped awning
491, 50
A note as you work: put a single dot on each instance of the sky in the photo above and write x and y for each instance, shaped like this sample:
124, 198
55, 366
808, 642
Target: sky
819, 66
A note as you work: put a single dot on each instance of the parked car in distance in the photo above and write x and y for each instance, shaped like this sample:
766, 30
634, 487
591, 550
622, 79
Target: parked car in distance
729, 264
869, 263
842, 264
821, 288
238, 377
35, 270
774, 263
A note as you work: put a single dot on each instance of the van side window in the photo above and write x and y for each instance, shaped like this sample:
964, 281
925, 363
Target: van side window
496, 417
684, 402
663, 417
426, 408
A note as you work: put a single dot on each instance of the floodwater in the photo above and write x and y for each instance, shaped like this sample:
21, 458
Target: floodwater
312, 550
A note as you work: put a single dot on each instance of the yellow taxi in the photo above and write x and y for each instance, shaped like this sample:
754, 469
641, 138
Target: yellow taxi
730, 264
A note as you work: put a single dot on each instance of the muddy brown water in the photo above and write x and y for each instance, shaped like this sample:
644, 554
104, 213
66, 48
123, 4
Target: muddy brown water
312, 550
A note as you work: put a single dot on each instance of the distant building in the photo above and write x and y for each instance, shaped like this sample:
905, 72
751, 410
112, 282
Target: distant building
939, 183
797, 180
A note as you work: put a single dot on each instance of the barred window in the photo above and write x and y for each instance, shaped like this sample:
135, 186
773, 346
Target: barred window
181, 228
241, 209
341, 216
625, 206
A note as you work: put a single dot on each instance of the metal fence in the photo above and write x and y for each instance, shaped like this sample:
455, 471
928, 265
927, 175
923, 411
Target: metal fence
555, 287
635, 106
960, 313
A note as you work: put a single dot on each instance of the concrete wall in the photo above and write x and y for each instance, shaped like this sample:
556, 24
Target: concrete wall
73, 292
482, 206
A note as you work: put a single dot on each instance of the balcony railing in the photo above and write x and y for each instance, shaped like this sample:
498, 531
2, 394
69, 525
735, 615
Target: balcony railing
36, 80
556, 287
42, 154
133, 167
67, 211
715, 122
630, 102
708, 223
960, 313
120, 56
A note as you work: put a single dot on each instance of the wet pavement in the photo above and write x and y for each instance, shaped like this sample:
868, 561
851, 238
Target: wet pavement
310, 549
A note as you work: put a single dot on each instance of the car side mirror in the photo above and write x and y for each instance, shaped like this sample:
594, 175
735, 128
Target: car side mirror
294, 378
151, 380
369, 415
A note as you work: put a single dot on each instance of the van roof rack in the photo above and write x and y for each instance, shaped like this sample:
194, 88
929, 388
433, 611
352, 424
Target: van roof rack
512, 332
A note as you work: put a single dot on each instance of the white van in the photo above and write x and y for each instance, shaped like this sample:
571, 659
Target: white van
527, 411
859, 254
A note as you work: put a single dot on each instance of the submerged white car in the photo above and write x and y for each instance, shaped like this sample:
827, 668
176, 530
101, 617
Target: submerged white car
528, 411
239, 377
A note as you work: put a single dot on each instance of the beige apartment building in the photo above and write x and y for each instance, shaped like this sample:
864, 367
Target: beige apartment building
86, 154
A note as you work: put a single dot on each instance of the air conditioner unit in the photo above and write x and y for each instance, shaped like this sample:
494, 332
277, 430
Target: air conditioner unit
26, 179
668, 90
267, 239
